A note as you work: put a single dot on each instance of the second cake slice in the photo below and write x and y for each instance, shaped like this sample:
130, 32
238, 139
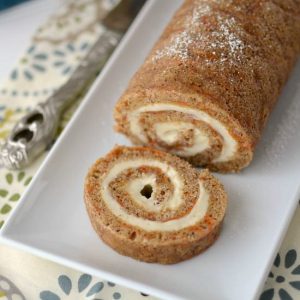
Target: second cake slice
153, 206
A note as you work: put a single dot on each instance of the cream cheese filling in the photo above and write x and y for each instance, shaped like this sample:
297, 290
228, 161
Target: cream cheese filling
134, 188
173, 202
169, 133
229, 144
195, 215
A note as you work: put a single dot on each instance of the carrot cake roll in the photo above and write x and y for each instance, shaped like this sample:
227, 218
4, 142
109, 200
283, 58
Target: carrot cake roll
209, 84
153, 206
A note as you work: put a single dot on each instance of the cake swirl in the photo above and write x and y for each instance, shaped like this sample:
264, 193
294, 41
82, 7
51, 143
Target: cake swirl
199, 133
153, 206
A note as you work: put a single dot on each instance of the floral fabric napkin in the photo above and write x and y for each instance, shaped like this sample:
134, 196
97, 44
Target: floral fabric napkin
56, 49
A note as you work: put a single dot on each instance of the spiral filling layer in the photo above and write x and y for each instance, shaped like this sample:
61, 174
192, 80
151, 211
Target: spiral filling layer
153, 206
175, 200
169, 133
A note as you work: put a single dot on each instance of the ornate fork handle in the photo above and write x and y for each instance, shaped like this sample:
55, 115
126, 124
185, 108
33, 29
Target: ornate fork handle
36, 130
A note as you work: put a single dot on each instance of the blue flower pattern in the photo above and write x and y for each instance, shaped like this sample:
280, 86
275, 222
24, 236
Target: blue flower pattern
279, 289
87, 287
37, 62
84, 289
64, 58
32, 62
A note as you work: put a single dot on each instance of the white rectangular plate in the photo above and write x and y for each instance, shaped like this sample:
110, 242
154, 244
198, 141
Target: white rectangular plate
51, 220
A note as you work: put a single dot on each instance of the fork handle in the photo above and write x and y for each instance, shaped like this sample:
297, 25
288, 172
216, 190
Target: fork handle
33, 133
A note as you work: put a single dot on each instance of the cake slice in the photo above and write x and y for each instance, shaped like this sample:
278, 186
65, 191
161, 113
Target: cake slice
153, 206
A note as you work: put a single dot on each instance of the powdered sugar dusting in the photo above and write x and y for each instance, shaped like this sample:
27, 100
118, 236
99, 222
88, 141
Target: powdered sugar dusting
198, 12
234, 42
180, 43
228, 38
225, 41
178, 47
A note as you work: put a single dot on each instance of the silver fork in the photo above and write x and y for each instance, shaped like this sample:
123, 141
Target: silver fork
33, 133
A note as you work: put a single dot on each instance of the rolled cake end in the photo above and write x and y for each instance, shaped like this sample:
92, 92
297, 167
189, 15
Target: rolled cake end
210, 82
197, 131
153, 206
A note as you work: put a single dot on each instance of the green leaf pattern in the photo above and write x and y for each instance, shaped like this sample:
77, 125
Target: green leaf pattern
11, 189
3, 193
9, 178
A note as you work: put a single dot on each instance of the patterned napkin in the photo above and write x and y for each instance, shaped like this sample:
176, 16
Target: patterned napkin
55, 51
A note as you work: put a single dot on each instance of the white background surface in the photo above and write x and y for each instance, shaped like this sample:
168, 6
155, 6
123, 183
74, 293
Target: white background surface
17, 25
51, 220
